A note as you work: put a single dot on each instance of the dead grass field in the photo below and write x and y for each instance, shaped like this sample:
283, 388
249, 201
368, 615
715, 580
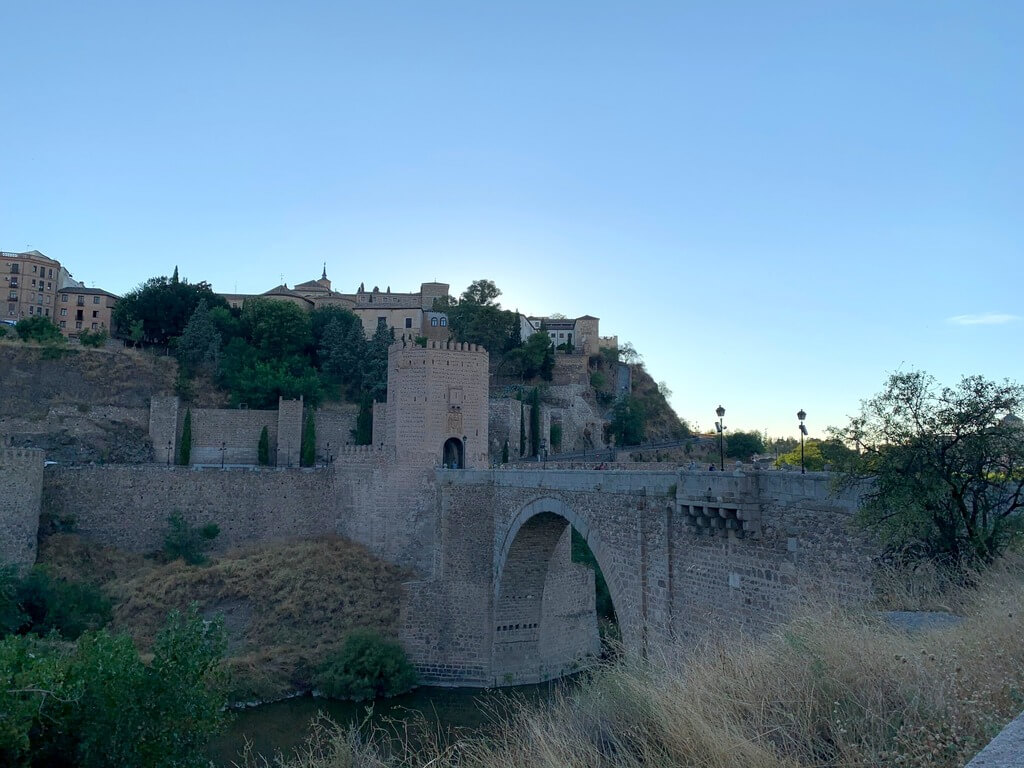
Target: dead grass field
285, 606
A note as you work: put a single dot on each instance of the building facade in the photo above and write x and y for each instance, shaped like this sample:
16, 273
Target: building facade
578, 334
84, 309
30, 284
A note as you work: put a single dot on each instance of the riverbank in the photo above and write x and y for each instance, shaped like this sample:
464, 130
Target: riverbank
830, 689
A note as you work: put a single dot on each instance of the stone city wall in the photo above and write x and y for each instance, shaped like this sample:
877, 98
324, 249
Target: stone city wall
21, 483
236, 430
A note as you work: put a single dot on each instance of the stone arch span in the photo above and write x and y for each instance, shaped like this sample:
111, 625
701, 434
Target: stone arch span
544, 625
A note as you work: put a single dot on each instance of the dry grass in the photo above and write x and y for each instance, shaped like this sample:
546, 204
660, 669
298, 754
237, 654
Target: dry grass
831, 689
286, 606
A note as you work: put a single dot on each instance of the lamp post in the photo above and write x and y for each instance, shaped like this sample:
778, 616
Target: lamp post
720, 426
328, 453
802, 414
223, 447
168, 453
465, 452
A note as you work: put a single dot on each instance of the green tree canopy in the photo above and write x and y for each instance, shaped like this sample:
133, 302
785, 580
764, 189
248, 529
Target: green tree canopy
629, 421
200, 342
39, 329
743, 445
944, 465
163, 306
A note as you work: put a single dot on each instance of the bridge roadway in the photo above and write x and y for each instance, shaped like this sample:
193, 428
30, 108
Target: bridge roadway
685, 553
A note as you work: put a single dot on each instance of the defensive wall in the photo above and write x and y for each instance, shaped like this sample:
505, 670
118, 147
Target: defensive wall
684, 553
21, 486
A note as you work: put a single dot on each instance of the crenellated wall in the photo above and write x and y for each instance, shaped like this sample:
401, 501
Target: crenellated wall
21, 485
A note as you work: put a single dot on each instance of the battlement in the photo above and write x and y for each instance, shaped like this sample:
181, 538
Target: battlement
22, 456
359, 450
404, 346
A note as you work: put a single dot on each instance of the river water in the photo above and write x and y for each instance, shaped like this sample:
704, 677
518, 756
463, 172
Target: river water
283, 725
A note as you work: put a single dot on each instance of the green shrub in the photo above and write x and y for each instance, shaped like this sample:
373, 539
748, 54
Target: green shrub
3, 331
188, 542
11, 615
263, 450
367, 667
96, 704
93, 338
52, 605
39, 329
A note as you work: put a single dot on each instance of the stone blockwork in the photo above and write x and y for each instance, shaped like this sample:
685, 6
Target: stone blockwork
767, 542
437, 395
21, 485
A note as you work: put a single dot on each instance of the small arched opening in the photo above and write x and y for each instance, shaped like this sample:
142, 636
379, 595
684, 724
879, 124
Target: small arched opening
453, 455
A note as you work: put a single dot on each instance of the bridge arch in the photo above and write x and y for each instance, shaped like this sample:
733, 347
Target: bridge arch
544, 622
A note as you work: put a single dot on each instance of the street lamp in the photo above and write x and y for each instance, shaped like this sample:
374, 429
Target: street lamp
223, 447
465, 452
328, 453
168, 453
720, 426
802, 414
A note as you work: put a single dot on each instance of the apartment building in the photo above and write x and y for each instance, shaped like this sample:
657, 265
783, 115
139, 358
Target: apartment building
29, 282
84, 309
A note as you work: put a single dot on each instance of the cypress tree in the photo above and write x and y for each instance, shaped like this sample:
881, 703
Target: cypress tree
263, 451
185, 450
364, 421
307, 455
535, 422
504, 453
522, 428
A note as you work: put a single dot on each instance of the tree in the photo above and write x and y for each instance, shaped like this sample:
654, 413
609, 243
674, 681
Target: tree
522, 427
743, 445
277, 329
481, 293
95, 703
163, 306
199, 346
945, 467
185, 449
38, 329
535, 422
375, 364
534, 358
263, 449
504, 453
629, 421
307, 454
341, 352
363, 433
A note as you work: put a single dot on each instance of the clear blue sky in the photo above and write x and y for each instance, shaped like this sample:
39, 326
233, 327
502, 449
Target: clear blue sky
777, 203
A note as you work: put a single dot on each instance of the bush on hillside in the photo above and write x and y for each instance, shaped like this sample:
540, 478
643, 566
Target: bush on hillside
367, 667
93, 339
188, 542
66, 607
38, 329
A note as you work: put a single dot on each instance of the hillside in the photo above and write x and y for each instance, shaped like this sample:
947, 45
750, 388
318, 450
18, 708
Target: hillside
285, 605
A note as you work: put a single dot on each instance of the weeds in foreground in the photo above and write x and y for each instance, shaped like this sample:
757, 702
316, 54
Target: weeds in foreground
829, 689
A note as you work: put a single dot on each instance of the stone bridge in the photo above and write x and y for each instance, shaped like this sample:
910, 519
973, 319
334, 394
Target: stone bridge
683, 553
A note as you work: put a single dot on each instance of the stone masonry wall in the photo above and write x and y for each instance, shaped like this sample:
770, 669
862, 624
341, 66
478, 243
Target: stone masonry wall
21, 482
238, 430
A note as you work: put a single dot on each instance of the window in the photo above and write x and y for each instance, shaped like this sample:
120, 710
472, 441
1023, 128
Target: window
78, 326
64, 297
78, 316
408, 322
444, 321
12, 296
12, 309
33, 269
30, 308
382, 322
95, 299
63, 324
33, 282
39, 299
95, 326
95, 313
63, 311
49, 286
433, 321
14, 282
51, 274
14, 269
80, 301
47, 311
